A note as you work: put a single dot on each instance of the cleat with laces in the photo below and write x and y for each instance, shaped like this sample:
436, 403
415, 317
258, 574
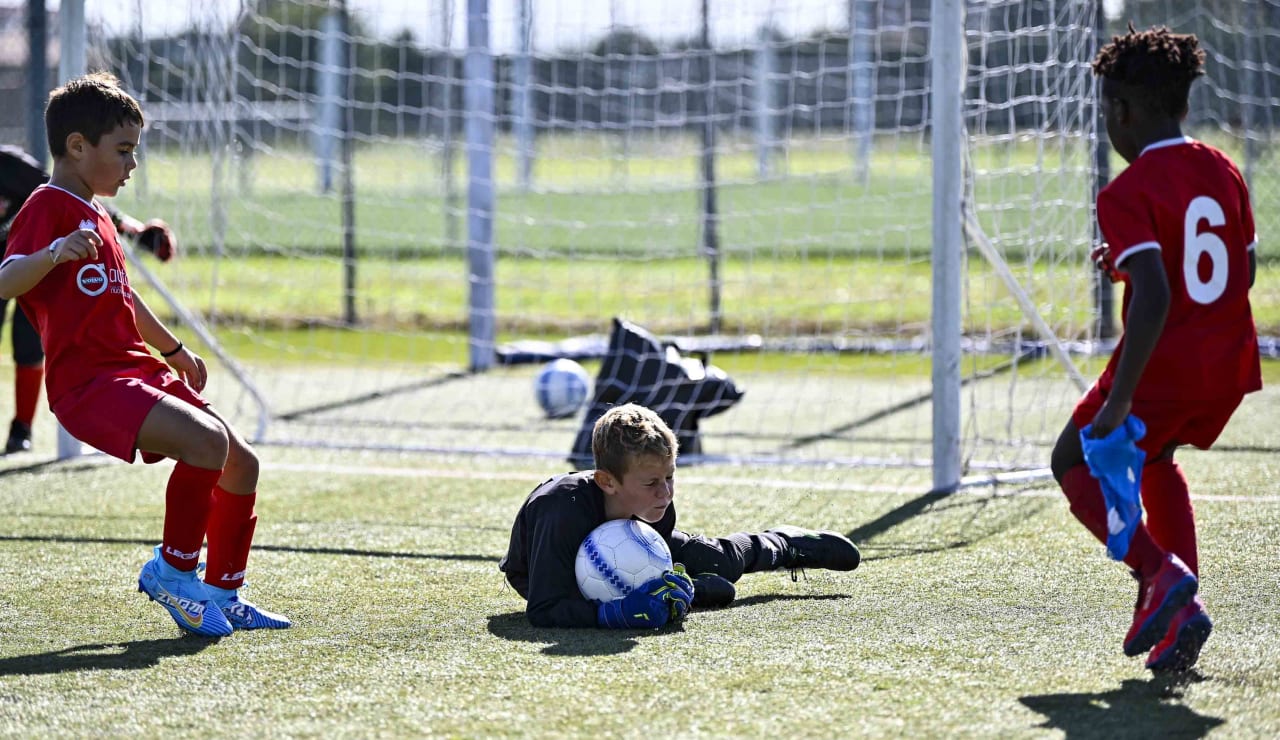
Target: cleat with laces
246, 615
184, 596
809, 549
1180, 648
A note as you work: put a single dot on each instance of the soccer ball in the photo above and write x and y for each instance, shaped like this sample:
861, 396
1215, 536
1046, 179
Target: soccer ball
561, 388
618, 556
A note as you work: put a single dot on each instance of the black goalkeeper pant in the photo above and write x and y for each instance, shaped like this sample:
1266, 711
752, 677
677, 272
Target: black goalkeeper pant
26, 340
728, 557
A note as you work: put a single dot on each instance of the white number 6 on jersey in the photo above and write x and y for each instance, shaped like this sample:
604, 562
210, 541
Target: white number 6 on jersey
1197, 243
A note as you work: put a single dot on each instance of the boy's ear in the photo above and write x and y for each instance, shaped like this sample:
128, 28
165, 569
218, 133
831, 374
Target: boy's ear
1124, 111
76, 144
606, 481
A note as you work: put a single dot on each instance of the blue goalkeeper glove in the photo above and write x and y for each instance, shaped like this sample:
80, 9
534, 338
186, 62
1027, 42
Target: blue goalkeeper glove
1116, 461
680, 607
654, 604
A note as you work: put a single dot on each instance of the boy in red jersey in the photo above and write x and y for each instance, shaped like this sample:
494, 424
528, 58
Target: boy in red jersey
1180, 231
20, 175
65, 266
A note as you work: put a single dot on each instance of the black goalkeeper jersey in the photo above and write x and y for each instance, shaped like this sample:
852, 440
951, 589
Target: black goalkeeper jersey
20, 174
553, 521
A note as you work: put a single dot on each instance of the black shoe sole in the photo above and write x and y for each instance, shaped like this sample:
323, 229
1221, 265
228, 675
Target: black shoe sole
711, 591
1186, 651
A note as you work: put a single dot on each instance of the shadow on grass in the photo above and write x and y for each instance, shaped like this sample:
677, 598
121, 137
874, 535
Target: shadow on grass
51, 464
574, 642
842, 431
104, 656
1136, 709
569, 642
887, 521
766, 598
345, 551
970, 513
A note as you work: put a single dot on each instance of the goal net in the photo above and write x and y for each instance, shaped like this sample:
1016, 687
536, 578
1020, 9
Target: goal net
392, 212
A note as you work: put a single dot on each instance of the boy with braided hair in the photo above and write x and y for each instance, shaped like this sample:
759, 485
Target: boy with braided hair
634, 477
1180, 234
65, 266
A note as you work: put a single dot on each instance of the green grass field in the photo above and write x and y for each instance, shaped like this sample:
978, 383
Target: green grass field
592, 197
984, 613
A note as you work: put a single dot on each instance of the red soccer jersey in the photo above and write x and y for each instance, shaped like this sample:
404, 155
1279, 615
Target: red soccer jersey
82, 309
1187, 200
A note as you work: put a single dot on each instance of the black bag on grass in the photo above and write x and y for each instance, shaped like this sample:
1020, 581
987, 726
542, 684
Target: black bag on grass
640, 369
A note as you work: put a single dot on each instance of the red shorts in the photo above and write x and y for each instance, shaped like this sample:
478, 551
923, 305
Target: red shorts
107, 413
1168, 422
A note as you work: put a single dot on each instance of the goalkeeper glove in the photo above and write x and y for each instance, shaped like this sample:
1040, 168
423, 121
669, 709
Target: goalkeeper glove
680, 608
157, 238
652, 605
1101, 256
1116, 461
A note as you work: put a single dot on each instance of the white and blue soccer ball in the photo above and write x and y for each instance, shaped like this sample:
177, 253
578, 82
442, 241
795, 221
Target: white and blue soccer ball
618, 556
561, 388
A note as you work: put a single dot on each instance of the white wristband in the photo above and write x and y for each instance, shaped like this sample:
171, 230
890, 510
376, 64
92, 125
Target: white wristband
54, 248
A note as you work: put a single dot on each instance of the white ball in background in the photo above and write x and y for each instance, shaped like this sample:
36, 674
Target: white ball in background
561, 388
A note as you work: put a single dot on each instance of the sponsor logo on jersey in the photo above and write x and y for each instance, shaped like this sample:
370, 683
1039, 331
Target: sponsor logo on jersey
92, 279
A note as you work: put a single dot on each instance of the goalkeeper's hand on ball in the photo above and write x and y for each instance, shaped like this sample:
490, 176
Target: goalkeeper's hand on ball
1101, 256
656, 603
157, 238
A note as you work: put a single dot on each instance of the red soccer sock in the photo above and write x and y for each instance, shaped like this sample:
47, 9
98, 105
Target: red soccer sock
26, 392
1170, 518
186, 514
1084, 493
231, 528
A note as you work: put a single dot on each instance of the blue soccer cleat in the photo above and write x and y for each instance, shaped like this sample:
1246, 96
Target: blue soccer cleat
244, 614
184, 596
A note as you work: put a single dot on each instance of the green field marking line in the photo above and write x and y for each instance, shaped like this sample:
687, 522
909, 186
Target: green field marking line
762, 484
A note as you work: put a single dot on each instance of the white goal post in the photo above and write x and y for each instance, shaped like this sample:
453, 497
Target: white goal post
874, 215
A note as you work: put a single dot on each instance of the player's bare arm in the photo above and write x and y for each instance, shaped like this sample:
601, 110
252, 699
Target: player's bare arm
1143, 325
188, 364
19, 275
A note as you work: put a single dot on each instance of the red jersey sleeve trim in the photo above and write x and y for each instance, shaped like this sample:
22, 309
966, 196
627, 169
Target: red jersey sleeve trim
1140, 247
